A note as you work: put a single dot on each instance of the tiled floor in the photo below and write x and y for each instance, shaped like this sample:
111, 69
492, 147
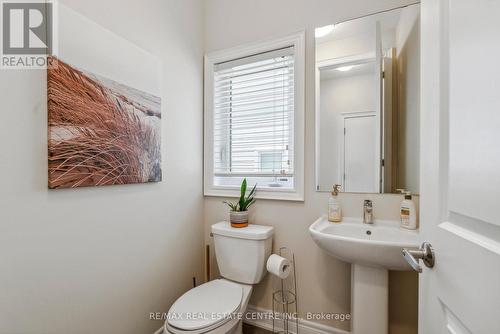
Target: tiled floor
249, 329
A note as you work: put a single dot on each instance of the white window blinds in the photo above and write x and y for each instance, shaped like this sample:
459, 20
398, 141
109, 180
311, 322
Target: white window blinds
253, 119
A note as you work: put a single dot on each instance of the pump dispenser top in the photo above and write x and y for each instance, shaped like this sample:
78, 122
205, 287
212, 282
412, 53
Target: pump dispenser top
336, 189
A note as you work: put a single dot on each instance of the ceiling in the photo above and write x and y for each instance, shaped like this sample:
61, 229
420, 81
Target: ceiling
359, 69
363, 26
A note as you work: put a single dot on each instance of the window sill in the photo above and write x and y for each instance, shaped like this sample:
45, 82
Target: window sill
275, 194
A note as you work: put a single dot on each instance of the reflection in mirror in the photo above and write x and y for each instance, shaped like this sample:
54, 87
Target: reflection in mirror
368, 103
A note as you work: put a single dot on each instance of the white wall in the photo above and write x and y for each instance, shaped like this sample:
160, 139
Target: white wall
98, 260
324, 282
338, 95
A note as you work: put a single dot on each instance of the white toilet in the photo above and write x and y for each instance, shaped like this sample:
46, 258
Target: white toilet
217, 307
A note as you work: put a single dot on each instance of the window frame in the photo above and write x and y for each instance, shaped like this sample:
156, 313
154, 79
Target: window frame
211, 59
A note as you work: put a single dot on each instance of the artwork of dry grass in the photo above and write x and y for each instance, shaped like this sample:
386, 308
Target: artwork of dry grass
100, 132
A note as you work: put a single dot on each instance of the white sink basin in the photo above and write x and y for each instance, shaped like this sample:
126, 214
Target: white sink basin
377, 245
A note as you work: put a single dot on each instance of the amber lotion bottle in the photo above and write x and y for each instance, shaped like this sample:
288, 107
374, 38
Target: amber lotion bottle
408, 213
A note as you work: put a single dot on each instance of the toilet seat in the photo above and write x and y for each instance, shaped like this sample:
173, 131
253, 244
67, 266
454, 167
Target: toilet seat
206, 307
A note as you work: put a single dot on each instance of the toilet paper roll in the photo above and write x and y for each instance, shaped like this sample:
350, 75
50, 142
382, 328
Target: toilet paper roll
278, 266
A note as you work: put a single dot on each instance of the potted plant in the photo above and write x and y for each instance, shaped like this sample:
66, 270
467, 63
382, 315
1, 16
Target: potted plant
238, 215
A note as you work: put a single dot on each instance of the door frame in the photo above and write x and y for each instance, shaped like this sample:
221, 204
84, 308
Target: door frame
433, 139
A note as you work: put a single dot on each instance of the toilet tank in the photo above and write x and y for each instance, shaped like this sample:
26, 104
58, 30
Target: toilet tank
242, 253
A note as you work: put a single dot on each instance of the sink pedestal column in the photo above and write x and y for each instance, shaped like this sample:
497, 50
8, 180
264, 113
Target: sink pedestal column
369, 300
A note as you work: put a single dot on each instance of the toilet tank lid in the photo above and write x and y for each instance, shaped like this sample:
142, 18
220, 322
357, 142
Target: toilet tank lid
251, 232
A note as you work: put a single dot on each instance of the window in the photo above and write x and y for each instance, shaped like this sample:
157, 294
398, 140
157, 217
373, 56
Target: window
254, 119
253, 114
271, 162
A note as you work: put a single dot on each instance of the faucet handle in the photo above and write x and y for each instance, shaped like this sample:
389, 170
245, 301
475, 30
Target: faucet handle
368, 202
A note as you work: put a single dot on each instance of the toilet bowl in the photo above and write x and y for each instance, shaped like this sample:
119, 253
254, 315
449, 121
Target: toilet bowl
218, 306
214, 307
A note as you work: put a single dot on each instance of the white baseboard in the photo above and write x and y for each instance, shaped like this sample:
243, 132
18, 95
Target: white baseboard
305, 326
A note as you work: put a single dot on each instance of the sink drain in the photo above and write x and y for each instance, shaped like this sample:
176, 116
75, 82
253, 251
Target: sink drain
369, 232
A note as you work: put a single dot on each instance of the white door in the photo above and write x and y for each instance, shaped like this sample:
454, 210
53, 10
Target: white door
360, 162
460, 166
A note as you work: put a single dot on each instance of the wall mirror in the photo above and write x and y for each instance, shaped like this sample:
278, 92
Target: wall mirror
368, 103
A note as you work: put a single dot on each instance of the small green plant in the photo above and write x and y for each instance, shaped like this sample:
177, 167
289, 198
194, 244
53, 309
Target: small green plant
244, 202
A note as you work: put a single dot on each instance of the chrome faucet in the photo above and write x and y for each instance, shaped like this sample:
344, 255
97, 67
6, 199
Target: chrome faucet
368, 212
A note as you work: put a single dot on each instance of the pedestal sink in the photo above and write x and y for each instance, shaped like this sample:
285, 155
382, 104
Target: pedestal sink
372, 250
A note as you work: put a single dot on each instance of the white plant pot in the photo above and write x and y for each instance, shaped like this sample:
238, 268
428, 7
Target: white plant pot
238, 219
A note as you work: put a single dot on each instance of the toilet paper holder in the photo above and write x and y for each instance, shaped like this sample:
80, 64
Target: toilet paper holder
285, 298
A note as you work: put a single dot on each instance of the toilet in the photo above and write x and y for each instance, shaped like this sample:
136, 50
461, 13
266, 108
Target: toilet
217, 307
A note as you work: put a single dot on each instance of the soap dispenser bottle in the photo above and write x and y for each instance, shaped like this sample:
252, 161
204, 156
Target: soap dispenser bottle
334, 208
408, 212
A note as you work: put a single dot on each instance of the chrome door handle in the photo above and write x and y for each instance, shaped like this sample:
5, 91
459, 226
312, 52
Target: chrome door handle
425, 253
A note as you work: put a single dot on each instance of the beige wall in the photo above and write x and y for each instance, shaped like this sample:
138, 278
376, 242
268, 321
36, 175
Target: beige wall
403, 312
98, 260
408, 113
324, 282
